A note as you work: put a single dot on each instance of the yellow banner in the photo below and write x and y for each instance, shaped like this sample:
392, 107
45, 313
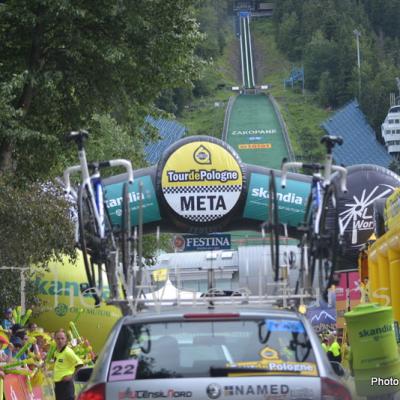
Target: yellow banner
160, 275
255, 146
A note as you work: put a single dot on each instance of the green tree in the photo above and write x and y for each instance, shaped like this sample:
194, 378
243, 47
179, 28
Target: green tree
378, 83
324, 28
289, 39
326, 91
71, 60
319, 57
384, 16
35, 227
71, 64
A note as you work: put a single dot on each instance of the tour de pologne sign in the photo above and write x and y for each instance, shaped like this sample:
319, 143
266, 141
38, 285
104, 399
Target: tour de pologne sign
201, 181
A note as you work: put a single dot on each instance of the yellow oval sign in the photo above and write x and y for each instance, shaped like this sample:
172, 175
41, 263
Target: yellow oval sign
201, 181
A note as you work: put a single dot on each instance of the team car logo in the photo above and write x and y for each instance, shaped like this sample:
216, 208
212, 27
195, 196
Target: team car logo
214, 391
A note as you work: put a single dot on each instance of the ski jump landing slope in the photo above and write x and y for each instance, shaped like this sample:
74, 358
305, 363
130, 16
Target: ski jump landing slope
254, 131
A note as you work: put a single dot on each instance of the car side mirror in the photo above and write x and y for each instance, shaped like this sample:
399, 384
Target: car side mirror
83, 374
338, 368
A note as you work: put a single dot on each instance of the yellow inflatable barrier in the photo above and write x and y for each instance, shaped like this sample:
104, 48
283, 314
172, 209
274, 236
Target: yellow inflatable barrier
392, 209
384, 266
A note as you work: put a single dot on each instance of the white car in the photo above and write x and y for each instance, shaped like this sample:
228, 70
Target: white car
213, 352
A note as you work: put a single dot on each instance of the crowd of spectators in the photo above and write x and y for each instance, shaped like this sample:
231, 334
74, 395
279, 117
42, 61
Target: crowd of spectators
26, 349
337, 351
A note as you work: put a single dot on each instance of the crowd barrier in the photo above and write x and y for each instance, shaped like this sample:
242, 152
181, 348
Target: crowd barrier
26, 373
18, 387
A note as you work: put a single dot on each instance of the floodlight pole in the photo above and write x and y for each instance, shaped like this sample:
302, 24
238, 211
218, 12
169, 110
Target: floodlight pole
358, 34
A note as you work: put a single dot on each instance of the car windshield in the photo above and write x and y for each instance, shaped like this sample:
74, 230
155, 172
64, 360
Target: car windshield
213, 348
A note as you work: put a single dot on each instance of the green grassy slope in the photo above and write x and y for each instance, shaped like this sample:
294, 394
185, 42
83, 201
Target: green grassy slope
255, 133
300, 111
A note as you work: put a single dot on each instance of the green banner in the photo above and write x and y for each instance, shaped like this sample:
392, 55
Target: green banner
151, 211
292, 200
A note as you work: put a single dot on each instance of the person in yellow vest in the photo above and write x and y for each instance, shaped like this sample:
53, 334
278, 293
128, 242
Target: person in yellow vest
345, 352
65, 366
324, 343
334, 353
364, 289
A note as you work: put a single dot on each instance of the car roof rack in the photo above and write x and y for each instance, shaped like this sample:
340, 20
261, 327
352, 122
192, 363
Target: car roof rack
212, 298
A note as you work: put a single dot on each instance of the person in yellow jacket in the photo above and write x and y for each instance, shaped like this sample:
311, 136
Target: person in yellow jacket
364, 290
324, 342
65, 366
345, 350
334, 353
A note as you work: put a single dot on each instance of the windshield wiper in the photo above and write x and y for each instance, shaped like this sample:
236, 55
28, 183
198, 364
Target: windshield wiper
225, 371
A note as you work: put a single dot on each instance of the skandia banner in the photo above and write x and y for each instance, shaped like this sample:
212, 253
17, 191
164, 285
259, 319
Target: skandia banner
201, 181
291, 201
66, 296
141, 191
216, 241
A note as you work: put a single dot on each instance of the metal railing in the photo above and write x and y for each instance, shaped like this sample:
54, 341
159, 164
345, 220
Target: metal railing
227, 117
284, 128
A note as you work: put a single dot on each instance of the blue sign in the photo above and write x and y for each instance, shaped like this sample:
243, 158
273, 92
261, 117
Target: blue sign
322, 318
285, 325
216, 241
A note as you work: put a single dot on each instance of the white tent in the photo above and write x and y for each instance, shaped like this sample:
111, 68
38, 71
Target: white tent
170, 292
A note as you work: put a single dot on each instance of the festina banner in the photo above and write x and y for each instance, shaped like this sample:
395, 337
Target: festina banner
216, 241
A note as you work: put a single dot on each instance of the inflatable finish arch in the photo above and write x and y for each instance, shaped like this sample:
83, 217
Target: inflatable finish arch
200, 185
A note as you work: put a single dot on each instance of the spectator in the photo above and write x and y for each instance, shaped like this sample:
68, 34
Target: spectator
26, 339
345, 350
32, 327
41, 347
8, 321
334, 353
18, 330
364, 289
4, 358
324, 342
5, 352
66, 364
17, 343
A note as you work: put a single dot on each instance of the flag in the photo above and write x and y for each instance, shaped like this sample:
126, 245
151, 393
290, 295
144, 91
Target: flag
160, 275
